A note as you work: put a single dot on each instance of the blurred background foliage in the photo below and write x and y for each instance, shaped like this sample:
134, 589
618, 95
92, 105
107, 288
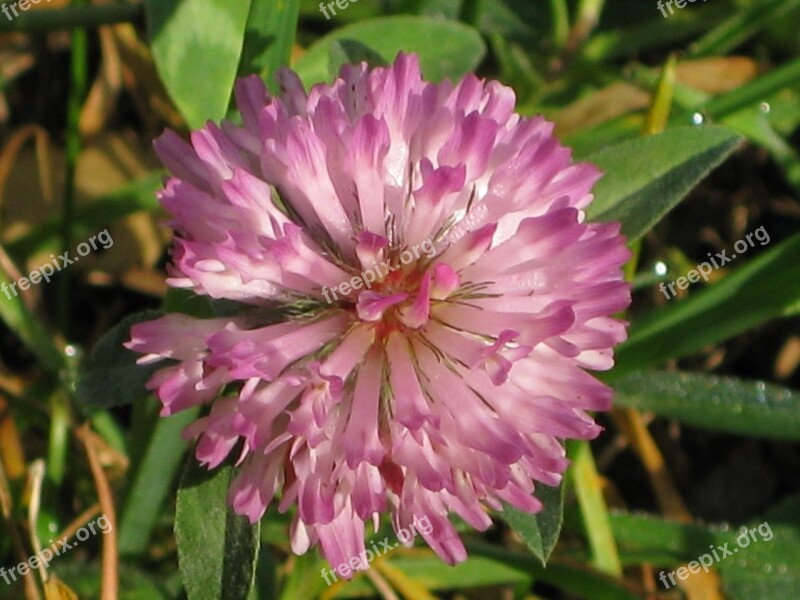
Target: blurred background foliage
704, 436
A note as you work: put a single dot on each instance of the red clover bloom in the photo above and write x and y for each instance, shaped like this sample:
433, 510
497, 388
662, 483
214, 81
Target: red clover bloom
418, 295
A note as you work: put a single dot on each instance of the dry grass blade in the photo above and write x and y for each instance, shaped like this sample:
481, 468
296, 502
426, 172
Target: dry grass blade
109, 587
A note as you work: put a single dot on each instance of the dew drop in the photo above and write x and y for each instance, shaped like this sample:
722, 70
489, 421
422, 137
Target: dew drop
70, 350
761, 396
698, 119
768, 568
660, 268
765, 107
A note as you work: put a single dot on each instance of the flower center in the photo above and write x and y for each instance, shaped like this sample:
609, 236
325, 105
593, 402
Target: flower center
402, 297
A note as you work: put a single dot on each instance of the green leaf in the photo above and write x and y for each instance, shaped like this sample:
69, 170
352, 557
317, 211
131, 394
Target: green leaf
604, 135
156, 446
718, 403
269, 38
765, 567
457, 51
643, 36
740, 109
156, 460
526, 23
579, 582
267, 569
15, 314
646, 177
754, 92
446, 9
540, 531
573, 578
764, 288
110, 375
197, 45
740, 27
643, 538
755, 124
217, 550
430, 571
344, 52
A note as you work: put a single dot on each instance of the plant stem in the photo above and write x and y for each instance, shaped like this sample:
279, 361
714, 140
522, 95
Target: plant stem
586, 480
559, 13
77, 91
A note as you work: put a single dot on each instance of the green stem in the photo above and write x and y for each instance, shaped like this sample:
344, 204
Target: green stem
589, 11
594, 511
661, 105
15, 315
587, 17
560, 16
785, 76
740, 27
77, 92
70, 18
59, 438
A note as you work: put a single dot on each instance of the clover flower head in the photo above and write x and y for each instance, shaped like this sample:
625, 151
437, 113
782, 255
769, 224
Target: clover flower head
418, 296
